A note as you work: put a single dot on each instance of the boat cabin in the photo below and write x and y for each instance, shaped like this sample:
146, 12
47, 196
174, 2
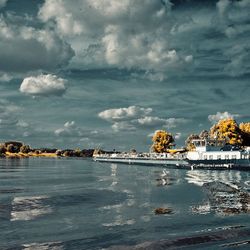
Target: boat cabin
204, 145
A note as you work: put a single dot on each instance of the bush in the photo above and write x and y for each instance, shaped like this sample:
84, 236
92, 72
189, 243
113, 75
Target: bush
59, 152
25, 149
2, 149
11, 148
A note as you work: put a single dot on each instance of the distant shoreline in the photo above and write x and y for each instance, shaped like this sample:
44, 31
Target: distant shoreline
16, 149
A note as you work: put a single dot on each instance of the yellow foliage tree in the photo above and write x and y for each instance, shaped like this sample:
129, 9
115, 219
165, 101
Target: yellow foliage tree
227, 129
245, 127
189, 144
245, 130
162, 141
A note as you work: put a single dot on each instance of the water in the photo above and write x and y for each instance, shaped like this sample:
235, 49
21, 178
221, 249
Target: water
81, 204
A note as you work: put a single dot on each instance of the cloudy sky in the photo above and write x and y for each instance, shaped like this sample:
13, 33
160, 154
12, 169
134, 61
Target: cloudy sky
108, 73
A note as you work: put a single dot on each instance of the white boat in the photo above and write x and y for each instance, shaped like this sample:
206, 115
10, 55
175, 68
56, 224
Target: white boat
164, 159
217, 154
211, 154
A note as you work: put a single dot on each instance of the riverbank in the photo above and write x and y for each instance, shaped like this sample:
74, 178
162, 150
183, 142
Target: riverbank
30, 154
15, 149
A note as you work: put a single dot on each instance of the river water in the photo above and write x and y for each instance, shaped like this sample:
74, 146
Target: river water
81, 204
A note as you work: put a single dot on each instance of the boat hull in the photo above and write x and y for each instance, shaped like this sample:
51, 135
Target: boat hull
148, 161
180, 163
240, 164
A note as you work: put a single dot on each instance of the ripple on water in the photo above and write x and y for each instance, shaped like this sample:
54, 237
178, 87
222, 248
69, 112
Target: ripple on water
78, 204
29, 207
43, 246
11, 190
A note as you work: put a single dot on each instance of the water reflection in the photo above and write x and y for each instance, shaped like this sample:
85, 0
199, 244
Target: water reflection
164, 178
113, 174
11, 190
120, 181
225, 191
43, 246
223, 199
200, 177
116, 206
13, 163
119, 221
29, 207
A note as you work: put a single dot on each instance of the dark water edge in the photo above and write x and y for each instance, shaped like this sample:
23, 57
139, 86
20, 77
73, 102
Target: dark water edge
81, 204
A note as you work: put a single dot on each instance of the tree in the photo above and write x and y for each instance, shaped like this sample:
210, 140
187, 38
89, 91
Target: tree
227, 129
245, 131
133, 151
25, 149
2, 149
11, 148
204, 134
162, 141
59, 152
189, 144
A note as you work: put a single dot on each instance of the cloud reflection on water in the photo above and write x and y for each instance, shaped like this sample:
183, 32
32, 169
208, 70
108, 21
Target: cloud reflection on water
199, 177
43, 246
29, 207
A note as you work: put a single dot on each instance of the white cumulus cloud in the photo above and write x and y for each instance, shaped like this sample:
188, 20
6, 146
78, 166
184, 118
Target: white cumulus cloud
43, 85
153, 121
132, 117
4, 77
221, 115
125, 34
69, 129
123, 126
131, 112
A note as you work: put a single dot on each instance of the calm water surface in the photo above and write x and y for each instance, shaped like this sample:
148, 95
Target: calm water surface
81, 204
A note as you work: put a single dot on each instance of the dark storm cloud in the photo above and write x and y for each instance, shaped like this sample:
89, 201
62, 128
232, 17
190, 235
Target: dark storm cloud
25, 49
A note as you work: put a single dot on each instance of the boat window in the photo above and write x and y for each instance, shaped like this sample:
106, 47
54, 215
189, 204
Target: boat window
210, 157
218, 157
233, 156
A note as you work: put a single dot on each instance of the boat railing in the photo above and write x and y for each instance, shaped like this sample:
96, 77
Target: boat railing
141, 156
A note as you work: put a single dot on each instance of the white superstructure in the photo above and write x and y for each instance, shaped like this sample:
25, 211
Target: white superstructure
214, 152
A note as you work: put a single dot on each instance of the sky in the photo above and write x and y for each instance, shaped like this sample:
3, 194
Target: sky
108, 73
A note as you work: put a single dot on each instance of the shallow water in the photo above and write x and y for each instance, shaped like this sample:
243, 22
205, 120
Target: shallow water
81, 204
